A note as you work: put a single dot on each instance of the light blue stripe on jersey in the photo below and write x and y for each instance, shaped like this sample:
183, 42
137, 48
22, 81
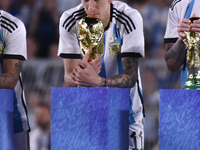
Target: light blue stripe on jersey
189, 9
184, 74
117, 38
1, 38
103, 69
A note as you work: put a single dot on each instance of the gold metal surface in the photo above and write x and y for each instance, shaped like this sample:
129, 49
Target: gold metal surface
90, 35
192, 59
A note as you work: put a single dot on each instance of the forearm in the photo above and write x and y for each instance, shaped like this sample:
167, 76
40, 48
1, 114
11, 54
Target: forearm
175, 56
69, 65
128, 78
7, 81
121, 80
12, 69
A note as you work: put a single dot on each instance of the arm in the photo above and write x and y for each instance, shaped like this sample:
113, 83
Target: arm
12, 69
14, 52
69, 65
129, 76
175, 55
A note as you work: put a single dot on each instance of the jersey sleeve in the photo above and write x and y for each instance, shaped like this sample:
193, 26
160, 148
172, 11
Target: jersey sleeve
15, 41
68, 42
175, 14
133, 42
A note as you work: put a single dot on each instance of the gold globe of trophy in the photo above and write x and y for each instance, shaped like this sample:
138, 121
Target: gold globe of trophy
90, 35
192, 59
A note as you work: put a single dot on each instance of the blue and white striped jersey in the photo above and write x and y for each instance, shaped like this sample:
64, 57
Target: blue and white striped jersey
123, 37
178, 10
13, 46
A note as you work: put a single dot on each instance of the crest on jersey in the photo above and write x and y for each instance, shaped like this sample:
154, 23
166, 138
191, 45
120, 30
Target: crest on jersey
1, 47
114, 47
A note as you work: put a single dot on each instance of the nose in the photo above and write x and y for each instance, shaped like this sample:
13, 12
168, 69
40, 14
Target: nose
91, 6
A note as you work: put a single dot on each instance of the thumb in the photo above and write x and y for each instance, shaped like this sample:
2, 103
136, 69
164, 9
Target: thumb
86, 57
193, 15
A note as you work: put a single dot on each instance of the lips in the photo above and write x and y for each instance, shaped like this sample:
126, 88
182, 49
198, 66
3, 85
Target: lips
93, 15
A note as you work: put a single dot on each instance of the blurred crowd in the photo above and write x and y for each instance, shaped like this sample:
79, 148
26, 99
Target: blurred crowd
41, 18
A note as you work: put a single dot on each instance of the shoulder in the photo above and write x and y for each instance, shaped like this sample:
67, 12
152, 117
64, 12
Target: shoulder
124, 9
127, 15
179, 4
10, 23
69, 17
177, 10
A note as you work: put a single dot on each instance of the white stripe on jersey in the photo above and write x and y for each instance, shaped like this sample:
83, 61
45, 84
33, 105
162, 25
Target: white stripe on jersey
123, 37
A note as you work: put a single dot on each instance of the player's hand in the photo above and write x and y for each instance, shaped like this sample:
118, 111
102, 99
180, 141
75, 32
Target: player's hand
85, 75
184, 25
96, 63
87, 55
195, 26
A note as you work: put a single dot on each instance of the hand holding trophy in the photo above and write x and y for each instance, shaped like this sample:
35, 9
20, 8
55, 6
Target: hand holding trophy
192, 58
90, 35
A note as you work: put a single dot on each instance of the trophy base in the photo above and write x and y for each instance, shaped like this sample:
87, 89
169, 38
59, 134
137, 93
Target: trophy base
192, 84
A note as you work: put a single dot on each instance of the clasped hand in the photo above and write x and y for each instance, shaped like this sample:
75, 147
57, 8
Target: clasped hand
86, 73
186, 25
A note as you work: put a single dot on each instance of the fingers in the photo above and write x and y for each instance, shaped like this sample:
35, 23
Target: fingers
99, 64
96, 61
98, 58
193, 15
96, 64
73, 75
77, 71
87, 55
98, 70
182, 34
184, 25
83, 64
195, 26
197, 35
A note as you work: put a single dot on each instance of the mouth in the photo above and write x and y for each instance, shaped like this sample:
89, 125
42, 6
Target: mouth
93, 15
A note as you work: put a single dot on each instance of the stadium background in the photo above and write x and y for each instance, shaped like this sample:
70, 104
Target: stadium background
44, 69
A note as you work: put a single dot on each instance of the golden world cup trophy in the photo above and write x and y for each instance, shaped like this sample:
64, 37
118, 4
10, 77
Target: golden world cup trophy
90, 35
192, 59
